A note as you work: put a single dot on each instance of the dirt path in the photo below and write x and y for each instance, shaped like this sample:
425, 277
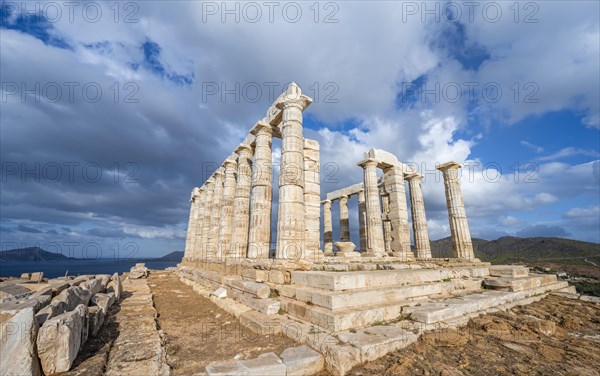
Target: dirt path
555, 336
198, 332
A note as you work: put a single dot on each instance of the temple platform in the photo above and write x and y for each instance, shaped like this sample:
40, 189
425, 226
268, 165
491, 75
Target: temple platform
353, 310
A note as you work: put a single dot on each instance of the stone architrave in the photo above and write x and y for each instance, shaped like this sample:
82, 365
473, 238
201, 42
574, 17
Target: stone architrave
259, 235
229, 187
362, 220
457, 216
419, 220
398, 212
344, 221
312, 200
215, 216
291, 225
241, 203
375, 242
327, 228
207, 214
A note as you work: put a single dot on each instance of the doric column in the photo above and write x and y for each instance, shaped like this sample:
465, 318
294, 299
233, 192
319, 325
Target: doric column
362, 221
327, 229
459, 227
225, 228
344, 222
312, 200
393, 180
207, 216
375, 243
419, 221
385, 217
200, 212
291, 225
259, 235
241, 203
190, 238
215, 217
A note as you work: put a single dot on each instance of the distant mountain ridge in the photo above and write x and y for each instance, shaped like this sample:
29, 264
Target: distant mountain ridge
38, 254
509, 249
32, 254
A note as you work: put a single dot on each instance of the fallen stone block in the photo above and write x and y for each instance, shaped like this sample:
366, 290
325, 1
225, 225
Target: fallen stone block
95, 320
37, 277
261, 290
74, 296
115, 286
18, 333
55, 308
60, 339
220, 293
375, 342
267, 364
104, 301
301, 361
26, 276
94, 285
226, 369
104, 279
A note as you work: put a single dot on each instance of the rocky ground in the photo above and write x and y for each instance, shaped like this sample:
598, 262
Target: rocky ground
555, 336
198, 333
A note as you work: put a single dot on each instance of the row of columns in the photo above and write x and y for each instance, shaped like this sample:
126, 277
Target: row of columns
230, 215
344, 222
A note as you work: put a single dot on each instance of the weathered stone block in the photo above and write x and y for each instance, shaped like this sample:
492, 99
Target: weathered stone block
104, 301
267, 364
302, 360
95, 320
18, 332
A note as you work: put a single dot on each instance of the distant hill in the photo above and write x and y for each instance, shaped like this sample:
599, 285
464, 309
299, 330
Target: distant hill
173, 256
31, 254
510, 249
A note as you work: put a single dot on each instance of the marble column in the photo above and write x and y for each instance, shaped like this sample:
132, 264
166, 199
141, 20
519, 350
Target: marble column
419, 221
375, 243
327, 229
393, 179
362, 221
259, 235
191, 226
207, 216
225, 228
215, 216
312, 200
200, 213
241, 203
385, 217
291, 225
457, 216
344, 221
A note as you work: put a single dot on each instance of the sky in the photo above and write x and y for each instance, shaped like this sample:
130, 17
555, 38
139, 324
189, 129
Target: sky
112, 112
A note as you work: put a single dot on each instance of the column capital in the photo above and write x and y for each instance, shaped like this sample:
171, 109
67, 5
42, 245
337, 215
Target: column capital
244, 150
229, 163
449, 166
209, 181
343, 199
195, 194
261, 127
368, 162
416, 177
293, 97
326, 202
219, 172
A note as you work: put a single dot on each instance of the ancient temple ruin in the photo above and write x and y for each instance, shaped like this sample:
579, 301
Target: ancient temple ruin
350, 302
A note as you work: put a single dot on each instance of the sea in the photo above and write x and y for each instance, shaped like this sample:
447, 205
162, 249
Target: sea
53, 269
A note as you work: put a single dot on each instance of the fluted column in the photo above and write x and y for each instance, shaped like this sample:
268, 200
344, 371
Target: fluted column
362, 221
312, 200
327, 229
241, 203
189, 239
207, 216
419, 220
375, 243
225, 228
387, 224
215, 219
344, 222
457, 216
259, 235
291, 224
200, 212
393, 179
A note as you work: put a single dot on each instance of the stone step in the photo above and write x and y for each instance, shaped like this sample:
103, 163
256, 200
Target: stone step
521, 283
336, 300
511, 271
349, 318
448, 309
337, 281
